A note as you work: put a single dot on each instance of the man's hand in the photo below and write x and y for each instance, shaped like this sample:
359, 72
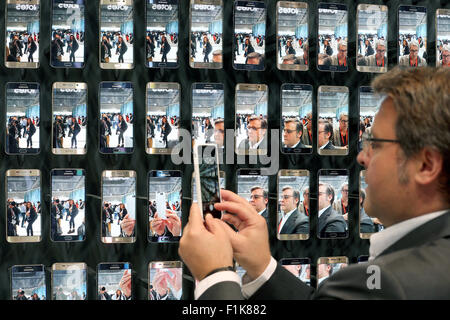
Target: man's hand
157, 225
173, 223
125, 283
251, 242
127, 225
204, 246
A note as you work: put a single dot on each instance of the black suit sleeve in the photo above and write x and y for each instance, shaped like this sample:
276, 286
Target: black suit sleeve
227, 290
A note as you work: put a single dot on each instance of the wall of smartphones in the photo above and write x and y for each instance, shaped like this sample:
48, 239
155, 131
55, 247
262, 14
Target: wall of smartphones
116, 35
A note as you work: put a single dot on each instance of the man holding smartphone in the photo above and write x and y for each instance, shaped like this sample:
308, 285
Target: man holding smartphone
407, 176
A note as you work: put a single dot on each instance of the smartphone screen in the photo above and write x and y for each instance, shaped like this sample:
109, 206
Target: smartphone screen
67, 214
333, 204
253, 185
23, 209
293, 205
205, 37
164, 205
114, 281
116, 117
442, 37
249, 39
327, 266
116, 34
333, 37
165, 280
371, 47
412, 36
296, 118
22, 33
208, 113
69, 281
69, 121
299, 267
23, 118
363, 259
222, 183
251, 119
118, 217
292, 36
368, 225
28, 283
161, 40
332, 128
67, 44
369, 104
163, 116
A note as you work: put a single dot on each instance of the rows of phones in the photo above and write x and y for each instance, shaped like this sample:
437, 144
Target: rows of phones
114, 281
116, 36
163, 113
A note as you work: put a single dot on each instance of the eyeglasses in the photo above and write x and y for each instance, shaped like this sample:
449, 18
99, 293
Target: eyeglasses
445, 56
344, 121
220, 130
253, 128
345, 190
411, 50
285, 197
368, 141
255, 196
381, 51
289, 131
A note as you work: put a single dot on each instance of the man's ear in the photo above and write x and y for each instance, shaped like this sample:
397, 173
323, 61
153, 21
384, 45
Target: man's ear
429, 166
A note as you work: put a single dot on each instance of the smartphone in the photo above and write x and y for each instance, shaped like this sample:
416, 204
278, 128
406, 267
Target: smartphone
23, 116
332, 128
69, 121
164, 206
326, 266
69, 281
208, 114
222, 184
205, 36
296, 118
116, 117
23, 206
206, 170
161, 40
293, 205
114, 281
299, 267
165, 280
68, 34
292, 36
363, 259
239, 270
369, 104
116, 34
367, 225
251, 125
333, 204
28, 282
67, 215
412, 36
372, 37
118, 215
249, 38
163, 116
253, 185
332, 54
22, 26
442, 37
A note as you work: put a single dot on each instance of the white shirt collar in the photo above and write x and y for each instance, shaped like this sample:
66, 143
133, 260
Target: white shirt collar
255, 146
322, 147
294, 146
260, 213
384, 239
323, 210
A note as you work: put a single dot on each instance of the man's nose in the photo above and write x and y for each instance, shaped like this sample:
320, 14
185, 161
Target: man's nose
362, 158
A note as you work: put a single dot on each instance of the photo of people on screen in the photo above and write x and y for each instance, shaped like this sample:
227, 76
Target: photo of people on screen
292, 218
164, 208
23, 213
114, 284
331, 198
325, 270
443, 39
67, 42
118, 207
368, 107
301, 271
22, 33
116, 34
161, 39
69, 284
165, 284
332, 41
68, 206
367, 224
206, 35
412, 41
28, 285
292, 37
255, 188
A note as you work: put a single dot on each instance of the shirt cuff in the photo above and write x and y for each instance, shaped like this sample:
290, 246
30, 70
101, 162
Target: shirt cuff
213, 279
249, 289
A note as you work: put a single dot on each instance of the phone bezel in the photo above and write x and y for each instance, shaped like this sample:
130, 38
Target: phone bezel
34, 266
61, 266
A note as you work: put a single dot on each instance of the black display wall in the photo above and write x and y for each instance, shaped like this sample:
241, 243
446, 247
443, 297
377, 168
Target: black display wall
139, 254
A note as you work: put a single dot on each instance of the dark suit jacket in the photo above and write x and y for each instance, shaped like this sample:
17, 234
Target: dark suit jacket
265, 215
329, 146
414, 267
298, 223
331, 221
365, 223
245, 144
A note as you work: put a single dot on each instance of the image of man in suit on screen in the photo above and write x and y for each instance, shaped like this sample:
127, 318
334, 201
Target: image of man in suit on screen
292, 221
325, 135
329, 219
259, 198
257, 134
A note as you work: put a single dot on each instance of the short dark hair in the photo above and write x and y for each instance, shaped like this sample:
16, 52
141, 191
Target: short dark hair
265, 193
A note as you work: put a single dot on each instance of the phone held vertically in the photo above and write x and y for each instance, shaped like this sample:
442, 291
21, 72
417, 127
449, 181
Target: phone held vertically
69, 281
165, 280
114, 281
28, 282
